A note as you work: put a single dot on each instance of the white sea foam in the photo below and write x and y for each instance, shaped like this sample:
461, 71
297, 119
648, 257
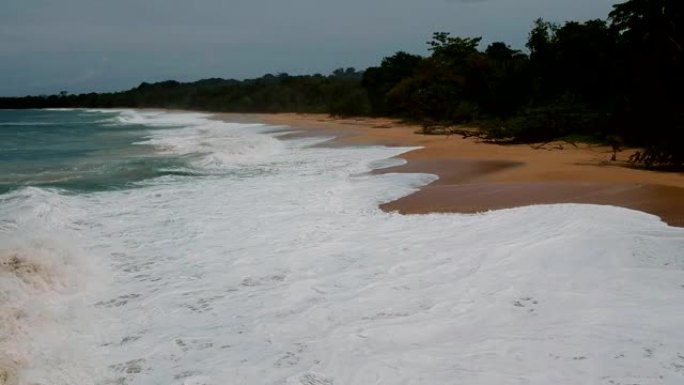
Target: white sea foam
160, 118
216, 144
44, 281
211, 144
288, 273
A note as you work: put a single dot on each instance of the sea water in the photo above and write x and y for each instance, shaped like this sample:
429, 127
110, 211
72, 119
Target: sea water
170, 248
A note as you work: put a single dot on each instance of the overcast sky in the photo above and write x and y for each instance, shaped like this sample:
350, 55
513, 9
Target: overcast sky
105, 45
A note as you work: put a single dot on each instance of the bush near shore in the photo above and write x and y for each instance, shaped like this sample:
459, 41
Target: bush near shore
616, 78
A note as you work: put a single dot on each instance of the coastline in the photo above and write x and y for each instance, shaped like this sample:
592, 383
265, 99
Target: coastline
475, 176
263, 238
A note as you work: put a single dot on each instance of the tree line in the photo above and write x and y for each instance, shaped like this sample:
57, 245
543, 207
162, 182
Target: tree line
317, 93
618, 80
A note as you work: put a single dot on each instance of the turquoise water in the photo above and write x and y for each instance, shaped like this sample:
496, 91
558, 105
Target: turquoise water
76, 150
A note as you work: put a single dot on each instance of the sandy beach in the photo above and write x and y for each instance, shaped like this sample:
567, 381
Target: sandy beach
170, 247
476, 176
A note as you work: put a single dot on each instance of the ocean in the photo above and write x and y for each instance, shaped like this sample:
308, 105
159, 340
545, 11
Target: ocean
141, 247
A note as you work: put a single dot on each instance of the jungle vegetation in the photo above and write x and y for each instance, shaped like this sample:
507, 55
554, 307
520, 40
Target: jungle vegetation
618, 80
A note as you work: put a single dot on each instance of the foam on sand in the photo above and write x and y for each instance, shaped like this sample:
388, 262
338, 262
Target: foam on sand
277, 267
294, 276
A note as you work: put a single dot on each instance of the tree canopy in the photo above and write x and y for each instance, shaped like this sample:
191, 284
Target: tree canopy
621, 77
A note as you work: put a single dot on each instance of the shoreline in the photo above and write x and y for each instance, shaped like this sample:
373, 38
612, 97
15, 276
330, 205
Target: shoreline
475, 176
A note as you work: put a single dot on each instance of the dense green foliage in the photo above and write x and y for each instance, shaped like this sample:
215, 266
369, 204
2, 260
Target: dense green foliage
337, 93
619, 79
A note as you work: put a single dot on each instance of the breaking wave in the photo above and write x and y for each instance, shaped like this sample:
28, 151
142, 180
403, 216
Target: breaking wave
209, 144
44, 280
268, 262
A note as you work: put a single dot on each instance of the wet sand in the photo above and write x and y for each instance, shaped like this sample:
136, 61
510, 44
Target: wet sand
663, 201
476, 176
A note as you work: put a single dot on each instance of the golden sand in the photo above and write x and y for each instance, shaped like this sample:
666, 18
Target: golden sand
479, 176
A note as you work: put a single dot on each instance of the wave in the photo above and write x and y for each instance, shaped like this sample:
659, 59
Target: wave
158, 118
288, 273
44, 275
209, 144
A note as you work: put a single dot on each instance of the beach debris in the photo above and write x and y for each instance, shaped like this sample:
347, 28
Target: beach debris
616, 144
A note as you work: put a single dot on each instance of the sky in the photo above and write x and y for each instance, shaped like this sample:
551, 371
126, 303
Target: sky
48, 46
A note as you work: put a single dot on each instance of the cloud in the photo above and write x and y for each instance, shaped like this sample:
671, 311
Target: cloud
157, 39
